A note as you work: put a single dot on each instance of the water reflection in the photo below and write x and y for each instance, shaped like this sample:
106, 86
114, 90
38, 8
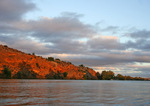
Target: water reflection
73, 92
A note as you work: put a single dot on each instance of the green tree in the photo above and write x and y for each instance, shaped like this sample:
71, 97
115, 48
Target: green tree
120, 77
50, 59
65, 74
58, 75
111, 74
107, 75
85, 77
37, 65
7, 73
98, 75
19, 75
81, 65
50, 75
33, 53
128, 78
104, 75
57, 59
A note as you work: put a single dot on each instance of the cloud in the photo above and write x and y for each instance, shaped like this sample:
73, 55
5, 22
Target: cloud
71, 15
139, 44
13, 10
63, 33
104, 42
138, 40
58, 27
3, 43
26, 45
143, 69
113, 29
139, 34
70, 46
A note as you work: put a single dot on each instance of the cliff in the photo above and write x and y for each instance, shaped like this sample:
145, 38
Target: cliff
17, 64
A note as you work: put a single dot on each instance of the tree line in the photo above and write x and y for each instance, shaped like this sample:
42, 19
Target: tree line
110, 75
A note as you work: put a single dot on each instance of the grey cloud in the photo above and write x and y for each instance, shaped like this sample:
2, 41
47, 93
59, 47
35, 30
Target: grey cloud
110, 58
71, 14
139, 34
110, 28
70, 46
61, 27
63, 33
144, 71
11, 10
25, 45
140, 44
140, 40
104, 43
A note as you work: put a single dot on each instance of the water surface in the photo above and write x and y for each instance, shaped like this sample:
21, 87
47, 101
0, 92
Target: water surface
74, 92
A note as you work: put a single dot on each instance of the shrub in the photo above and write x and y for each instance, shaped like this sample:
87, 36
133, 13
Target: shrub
37, 65
81, 65
65, 74
85, 77
7, 73
58, 75
5, 46
57, 59
19, 75
50, 59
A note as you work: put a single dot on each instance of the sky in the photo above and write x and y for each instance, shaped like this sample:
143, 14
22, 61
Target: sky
101, 34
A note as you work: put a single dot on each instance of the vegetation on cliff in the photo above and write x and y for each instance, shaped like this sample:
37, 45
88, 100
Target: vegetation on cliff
29, 66
19, 65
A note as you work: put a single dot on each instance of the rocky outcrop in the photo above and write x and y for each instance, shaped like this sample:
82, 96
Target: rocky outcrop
24, 66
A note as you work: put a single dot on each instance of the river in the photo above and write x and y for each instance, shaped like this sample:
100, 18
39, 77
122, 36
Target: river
15, 92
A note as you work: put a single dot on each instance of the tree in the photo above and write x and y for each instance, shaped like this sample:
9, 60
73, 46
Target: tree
5, 46
98, 75
57, 59
107, 75
7, 73
104, 75
33, 53
120, 77
50, 75
81, 65
111, 74
65, 74
85, 77
128, 78
58, 75
19, 75
50, 59
37, 65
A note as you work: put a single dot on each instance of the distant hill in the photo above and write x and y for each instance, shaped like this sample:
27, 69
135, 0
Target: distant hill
17, 64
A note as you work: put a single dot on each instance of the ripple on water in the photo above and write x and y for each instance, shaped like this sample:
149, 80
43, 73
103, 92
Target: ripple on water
74, 92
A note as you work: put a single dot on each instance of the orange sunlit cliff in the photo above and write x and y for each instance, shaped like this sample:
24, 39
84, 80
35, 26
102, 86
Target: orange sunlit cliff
22, 65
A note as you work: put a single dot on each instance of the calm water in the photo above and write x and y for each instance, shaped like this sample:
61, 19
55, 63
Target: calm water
74, 92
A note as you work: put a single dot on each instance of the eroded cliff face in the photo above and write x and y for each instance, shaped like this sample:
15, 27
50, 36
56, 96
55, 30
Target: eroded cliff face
22, 65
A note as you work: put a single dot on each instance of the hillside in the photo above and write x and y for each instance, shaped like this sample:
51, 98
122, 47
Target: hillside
16, 64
